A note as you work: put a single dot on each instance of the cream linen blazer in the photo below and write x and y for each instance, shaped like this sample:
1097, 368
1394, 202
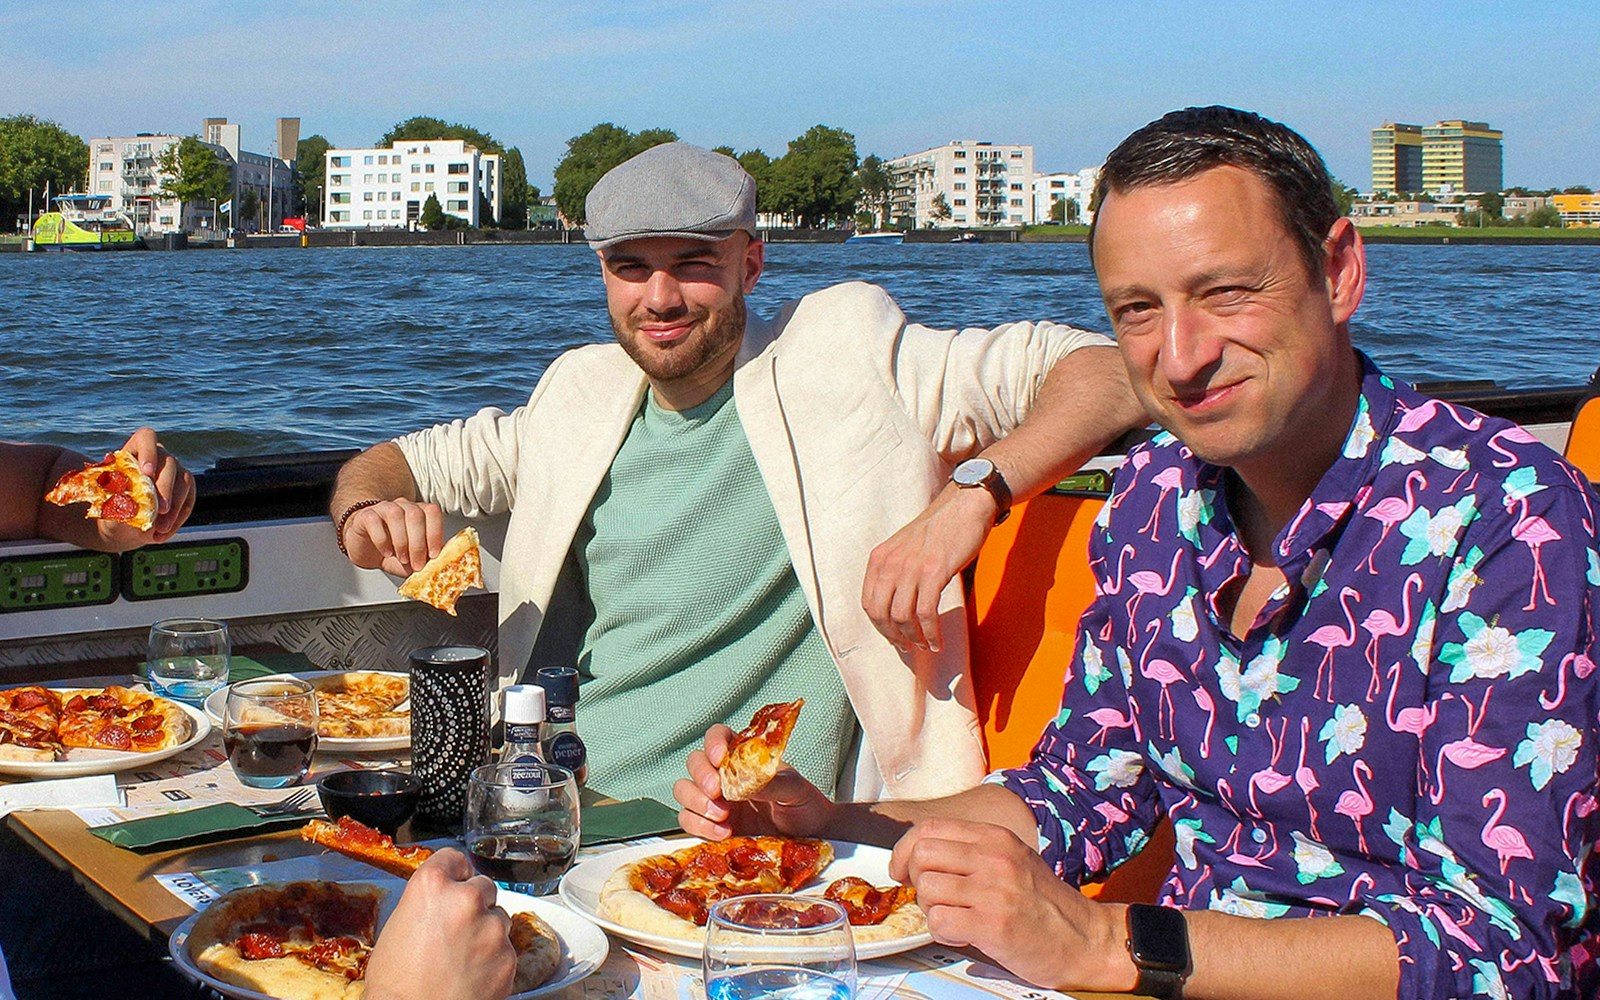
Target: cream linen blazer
855, 418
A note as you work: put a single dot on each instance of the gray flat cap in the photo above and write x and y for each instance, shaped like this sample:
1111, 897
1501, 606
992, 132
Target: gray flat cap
673, 189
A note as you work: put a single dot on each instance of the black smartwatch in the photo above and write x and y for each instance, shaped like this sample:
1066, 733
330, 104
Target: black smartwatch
1158, 940
981, 473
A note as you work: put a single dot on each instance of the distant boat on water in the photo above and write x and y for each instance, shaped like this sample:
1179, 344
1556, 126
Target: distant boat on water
967, 238
888, 238
82, 222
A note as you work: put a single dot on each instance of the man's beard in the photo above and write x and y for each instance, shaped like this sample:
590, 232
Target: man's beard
716, 333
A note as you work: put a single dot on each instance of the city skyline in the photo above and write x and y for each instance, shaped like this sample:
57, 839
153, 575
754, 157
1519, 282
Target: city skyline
1069, 79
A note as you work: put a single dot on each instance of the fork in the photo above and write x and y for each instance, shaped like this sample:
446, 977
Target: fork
284, 807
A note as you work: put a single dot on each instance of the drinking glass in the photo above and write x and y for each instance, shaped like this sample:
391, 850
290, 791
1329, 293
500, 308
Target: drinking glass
188, 658
793, 947
522, 824
269, 729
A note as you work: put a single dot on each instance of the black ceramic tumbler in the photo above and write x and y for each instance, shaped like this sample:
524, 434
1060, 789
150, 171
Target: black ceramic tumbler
449, 728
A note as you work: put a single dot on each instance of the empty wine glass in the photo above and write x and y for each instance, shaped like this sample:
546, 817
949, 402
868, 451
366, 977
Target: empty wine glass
793, 947
188, 658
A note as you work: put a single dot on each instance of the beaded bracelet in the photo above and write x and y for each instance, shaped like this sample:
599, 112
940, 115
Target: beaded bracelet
338, 530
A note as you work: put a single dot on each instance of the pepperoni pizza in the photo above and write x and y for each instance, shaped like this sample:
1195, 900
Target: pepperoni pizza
115, 489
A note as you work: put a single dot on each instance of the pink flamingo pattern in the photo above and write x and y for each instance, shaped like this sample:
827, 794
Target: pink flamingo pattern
1461, 763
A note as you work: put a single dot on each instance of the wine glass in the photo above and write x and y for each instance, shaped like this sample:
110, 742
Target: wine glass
794, 947
269, 728
188, 658
522, 824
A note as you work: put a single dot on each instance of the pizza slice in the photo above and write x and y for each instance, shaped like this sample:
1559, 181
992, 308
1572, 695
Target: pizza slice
671, 894
298, 939
755, 753
362, 704
115, 490
448, 575
119, 718
355, 839
866, 905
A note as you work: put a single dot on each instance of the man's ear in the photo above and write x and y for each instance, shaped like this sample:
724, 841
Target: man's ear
755, 258
1345, 267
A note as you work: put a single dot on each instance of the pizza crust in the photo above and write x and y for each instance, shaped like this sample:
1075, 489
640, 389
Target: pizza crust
447, 576
211, 942
361, 704
287, 978
538, 951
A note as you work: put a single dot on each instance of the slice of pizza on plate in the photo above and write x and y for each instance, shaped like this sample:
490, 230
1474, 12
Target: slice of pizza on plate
755, 753
115, 489
448, 575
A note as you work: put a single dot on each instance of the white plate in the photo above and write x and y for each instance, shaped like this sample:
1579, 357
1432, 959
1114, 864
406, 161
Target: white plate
580, 890
583, 945
218, 700
81, 761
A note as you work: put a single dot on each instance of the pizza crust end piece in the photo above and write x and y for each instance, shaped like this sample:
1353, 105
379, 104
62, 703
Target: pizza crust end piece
448, 575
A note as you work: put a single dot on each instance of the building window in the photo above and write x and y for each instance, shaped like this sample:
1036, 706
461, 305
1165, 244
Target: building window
366, 161
427, 168
394, 196
382, 160
961, 170
416, 185
961, 218
366, 178
1016, 187
106, 165
1016, 154
428, 186
336, 180
458, 205
459, 187
383, 213
341, 161
961, 154
961, 185
105, 185
416, 168
961, 201
457, 168
1016, 203
366, 196
367, 214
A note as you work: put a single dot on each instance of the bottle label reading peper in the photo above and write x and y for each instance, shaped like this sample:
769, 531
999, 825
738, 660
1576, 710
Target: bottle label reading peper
567, 750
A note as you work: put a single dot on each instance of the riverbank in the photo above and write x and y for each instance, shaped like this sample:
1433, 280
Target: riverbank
1421, 235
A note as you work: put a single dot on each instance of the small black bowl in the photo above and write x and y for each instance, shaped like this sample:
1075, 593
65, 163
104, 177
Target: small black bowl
381, 799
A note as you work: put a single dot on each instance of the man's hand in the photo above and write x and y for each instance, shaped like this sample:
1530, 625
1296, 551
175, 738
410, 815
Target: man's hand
396, 536
174, 491
907, 573
789, 804
981, 886
446, 939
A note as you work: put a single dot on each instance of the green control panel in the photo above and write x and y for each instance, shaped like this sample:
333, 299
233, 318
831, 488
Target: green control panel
57, 580
183, 569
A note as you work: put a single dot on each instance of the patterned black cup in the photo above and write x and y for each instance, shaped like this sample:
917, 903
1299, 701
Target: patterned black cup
449, 728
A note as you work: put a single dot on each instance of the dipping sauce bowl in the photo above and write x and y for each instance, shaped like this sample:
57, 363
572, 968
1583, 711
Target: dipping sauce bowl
382, 800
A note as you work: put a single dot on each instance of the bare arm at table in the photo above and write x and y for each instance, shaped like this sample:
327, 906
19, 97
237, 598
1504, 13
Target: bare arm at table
983, 885
1084, 404
398, 534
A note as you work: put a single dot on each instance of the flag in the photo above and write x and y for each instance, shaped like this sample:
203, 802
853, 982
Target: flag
226, 206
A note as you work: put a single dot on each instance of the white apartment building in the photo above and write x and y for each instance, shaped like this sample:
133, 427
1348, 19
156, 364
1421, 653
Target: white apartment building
386, 188
963, 183
1051, 188
129, 169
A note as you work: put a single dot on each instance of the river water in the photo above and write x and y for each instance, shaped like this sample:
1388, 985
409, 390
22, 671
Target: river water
260, 351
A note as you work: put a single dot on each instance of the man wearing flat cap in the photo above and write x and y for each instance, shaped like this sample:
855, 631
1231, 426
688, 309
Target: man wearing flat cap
721, 511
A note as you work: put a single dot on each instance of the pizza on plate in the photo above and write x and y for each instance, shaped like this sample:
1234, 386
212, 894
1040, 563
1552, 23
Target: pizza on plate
43, 724
755, 753
115, 490
670, 895
355, 839
448, 575
361, 704
296, 941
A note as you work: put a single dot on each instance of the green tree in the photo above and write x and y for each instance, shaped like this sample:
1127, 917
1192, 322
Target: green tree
515, 192
758, 165
815, 180
1058, 210
1491, 204
249, 207
1343, 196
192, 171
876, 187
591, 154
941, 207
433, 213
1545, 217
310, 162
1577, 189
1074, 213
33, 153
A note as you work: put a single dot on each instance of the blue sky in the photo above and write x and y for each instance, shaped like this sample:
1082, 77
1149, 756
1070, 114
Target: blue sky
1072, 78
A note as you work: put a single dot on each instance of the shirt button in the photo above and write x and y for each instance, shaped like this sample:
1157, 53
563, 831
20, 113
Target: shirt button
1259, 835
1252, 720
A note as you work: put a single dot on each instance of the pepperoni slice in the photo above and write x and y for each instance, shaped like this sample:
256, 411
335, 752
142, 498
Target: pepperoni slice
798, 863
662, 877
747, 861
686, 903
713, 864
29, 699
145, 723
103, 703
119, 507
114, 737
256, 947
114, 481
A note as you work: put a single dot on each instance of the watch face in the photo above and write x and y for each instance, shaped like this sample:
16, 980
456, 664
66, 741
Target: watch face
972, 472
1158, 938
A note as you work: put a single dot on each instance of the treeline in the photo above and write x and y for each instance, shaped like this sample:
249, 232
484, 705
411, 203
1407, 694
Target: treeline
818, 181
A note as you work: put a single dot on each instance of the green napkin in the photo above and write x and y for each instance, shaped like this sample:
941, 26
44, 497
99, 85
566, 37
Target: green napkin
244, 668
193, 826
605, 824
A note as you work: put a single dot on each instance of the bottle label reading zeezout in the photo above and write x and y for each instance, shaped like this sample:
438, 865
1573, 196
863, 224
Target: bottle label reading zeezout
528, 771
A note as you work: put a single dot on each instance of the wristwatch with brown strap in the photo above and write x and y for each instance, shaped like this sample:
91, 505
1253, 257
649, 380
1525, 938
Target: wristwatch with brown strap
977, 473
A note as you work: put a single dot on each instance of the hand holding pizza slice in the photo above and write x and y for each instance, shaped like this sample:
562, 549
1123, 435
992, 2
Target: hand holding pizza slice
115, 489
448, 575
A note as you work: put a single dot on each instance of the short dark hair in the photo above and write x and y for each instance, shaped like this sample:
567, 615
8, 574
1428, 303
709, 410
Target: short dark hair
1183, 144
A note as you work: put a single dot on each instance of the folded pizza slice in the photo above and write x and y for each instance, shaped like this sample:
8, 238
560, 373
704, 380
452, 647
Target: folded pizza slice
355, 839
447, 575
115, 489
755, 753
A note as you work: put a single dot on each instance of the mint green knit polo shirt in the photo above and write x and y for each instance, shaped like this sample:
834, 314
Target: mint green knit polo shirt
699, 618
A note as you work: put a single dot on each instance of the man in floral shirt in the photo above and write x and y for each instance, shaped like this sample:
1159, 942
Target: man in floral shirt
1343, 638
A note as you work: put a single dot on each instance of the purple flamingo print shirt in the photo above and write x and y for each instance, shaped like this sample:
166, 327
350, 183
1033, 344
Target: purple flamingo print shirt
1406, 731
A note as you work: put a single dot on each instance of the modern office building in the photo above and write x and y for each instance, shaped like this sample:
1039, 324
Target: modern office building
1078, 187
1461, 157
387, 187
1396, 158
1577, 209
961, 184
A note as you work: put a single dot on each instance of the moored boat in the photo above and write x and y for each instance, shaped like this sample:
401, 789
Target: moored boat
892, 239
83, 222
